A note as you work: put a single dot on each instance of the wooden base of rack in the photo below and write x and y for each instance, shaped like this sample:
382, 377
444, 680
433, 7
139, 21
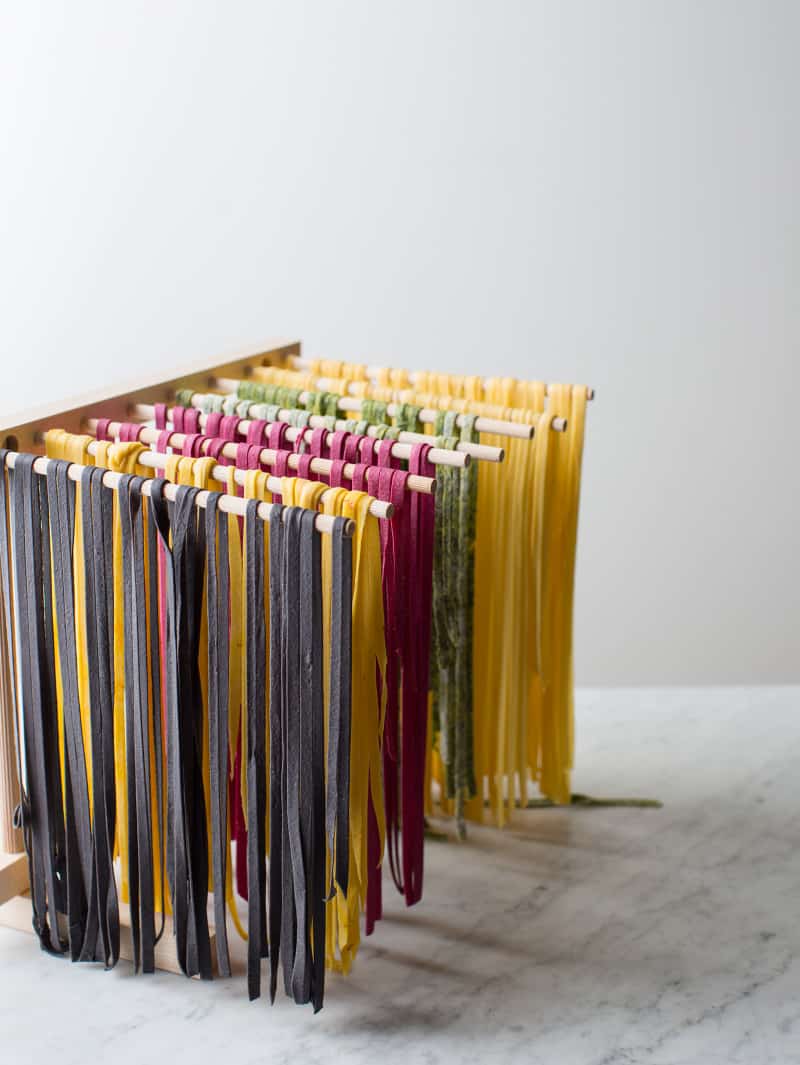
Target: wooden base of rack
15, 912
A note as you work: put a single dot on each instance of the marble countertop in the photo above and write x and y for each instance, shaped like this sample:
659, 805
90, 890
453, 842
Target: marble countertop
586, 936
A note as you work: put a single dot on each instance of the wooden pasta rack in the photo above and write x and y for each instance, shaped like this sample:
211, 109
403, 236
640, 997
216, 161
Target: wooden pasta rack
148, 401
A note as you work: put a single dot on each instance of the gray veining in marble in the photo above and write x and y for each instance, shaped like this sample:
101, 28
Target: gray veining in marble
583, 936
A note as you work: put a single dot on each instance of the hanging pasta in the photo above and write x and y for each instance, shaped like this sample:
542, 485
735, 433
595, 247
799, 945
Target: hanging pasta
331, 604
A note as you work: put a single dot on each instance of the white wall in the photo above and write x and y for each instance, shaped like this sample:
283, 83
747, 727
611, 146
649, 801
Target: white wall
601, 192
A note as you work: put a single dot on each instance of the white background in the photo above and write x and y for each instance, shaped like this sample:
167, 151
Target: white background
601, 191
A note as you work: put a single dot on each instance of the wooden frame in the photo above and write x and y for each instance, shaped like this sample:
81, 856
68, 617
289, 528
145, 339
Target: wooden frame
23, 432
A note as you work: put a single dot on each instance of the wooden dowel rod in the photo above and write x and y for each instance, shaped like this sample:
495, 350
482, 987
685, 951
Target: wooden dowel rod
484, 453
428, 415
438, 456
499, 427
350, 403
378, 508
300, 363
479, 452
230, 504
268, 456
